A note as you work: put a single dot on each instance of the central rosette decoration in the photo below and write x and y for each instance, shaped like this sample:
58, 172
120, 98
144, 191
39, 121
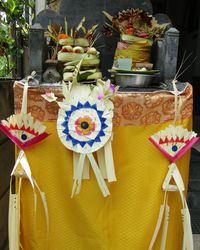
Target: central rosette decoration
85, 126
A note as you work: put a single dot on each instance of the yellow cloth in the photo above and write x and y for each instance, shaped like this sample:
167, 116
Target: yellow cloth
123, 221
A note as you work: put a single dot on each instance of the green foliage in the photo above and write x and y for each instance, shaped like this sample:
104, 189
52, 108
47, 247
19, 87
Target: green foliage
12, 18
3, 67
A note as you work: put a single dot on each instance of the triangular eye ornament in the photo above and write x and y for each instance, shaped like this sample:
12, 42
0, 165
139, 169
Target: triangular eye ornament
23, 130
174, 141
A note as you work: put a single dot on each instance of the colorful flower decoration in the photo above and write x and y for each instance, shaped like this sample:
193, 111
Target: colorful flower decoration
84, 126
173, 142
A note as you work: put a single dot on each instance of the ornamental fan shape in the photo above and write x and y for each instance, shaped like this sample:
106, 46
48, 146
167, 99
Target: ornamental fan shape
23, 130
174, 141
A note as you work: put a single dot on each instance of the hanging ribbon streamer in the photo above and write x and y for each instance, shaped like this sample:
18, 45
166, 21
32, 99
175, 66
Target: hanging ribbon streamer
177, 101
86, 166
14, 217
100, 180
106, 162
173, 143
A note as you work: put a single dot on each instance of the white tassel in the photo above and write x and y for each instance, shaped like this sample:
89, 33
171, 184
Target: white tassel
174, 173
110, 169
101, 162
86, 167
99, 177
78, 175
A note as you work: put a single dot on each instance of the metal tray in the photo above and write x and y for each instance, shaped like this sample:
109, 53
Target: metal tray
134, 80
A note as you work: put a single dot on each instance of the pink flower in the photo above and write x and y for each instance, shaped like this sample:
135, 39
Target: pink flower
112, 88
143, 35
100, 96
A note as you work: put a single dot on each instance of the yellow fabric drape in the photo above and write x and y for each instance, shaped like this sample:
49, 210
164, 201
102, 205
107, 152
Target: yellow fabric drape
123, 221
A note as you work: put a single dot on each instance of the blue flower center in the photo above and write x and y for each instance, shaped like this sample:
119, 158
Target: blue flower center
23, 137
174, 148
84, 125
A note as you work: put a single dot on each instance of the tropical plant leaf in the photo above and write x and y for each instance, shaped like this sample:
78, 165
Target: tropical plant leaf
83, 29
84, 76
79, 25
76, 73
66, 26
11, 5
110, 18
91, 30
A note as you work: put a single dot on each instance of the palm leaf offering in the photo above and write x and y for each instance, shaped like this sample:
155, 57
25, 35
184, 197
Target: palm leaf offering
135, 22
80, 58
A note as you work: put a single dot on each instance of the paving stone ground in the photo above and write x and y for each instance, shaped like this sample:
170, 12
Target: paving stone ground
196, 241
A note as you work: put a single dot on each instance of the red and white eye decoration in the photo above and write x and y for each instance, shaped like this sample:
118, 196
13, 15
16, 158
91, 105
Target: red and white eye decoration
22, 130
174, 141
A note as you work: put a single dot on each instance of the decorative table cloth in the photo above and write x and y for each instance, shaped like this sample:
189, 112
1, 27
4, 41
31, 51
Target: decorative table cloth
126, 219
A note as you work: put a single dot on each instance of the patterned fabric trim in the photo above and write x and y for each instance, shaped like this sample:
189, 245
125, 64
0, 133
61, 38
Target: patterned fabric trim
131, 108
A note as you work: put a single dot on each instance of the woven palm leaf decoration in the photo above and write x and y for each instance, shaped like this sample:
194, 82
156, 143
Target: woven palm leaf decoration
24, 132
173, 142
84, 125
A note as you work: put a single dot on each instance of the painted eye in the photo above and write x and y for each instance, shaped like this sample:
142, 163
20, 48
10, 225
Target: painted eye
172, 139
22, 130
172, 148
23, 135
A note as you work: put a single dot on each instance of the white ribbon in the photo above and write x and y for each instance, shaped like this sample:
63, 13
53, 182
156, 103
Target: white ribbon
106, 162
24, 99
102, 162
14, 218
164, 210
78, 174
46, 211
177, 101
173, 173
110, 169
86, 172
99, 177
